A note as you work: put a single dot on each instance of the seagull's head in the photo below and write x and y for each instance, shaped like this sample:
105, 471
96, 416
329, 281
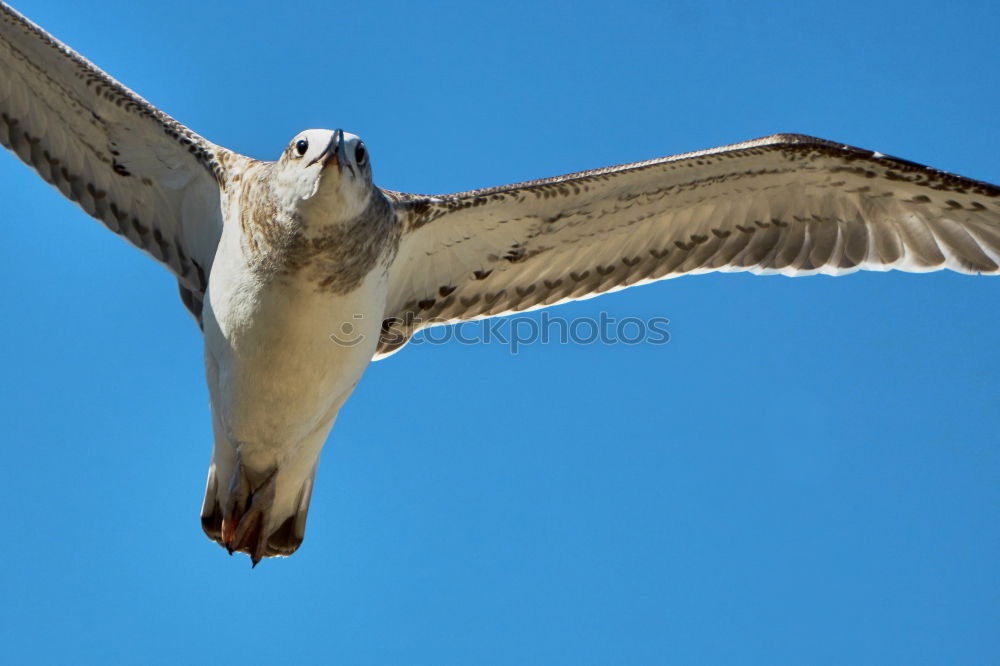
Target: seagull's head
328, 168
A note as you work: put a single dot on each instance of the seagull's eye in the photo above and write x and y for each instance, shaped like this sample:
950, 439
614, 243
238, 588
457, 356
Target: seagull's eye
301, 146
360, 154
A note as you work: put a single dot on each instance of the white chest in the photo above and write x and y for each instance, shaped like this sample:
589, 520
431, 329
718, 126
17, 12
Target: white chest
282, 355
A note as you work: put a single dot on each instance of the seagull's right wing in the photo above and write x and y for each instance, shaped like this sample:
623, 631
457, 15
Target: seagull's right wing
143, 174
787, 204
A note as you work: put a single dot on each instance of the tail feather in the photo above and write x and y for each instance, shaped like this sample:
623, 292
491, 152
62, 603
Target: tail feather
247, 520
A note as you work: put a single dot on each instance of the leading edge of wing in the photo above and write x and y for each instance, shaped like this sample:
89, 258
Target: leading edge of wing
419, 206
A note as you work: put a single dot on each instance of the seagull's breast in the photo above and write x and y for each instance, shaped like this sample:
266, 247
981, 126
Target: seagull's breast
280, 352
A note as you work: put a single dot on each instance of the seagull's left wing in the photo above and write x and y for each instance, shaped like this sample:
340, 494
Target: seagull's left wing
144, 175
786, 204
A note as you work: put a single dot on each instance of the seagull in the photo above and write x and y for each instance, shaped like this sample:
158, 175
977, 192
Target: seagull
301, 271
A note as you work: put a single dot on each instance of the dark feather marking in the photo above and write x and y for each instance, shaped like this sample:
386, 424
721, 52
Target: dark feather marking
202, 281
350, 250
139, 227
162, 243
516, 253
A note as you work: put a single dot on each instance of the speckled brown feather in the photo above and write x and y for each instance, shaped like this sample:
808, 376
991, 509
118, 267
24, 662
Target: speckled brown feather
92, 138
787, 204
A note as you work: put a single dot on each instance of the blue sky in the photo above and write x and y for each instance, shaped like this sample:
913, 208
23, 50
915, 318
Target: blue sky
809, 472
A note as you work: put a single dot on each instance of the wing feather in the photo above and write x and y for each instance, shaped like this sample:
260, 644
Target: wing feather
785, 204
119, 158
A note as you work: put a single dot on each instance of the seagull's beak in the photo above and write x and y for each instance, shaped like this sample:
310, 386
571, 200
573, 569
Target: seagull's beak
341, 151
333, 151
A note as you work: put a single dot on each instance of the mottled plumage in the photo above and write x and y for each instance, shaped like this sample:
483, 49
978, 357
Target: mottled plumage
275, 259
786, 204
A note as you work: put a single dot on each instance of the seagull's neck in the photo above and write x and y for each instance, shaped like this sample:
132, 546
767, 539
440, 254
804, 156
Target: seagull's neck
266, 230
309, 246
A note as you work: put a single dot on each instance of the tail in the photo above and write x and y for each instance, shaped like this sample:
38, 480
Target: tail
258, 512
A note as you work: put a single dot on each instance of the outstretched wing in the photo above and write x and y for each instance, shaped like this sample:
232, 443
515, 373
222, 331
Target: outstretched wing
786, 204
144, 175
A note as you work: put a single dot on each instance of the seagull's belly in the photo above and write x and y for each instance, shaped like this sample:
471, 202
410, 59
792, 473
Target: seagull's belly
281, 359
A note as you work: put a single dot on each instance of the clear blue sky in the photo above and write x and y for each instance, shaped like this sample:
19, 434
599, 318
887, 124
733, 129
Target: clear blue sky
809, 472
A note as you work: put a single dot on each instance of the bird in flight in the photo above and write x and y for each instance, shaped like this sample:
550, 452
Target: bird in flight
301, 271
